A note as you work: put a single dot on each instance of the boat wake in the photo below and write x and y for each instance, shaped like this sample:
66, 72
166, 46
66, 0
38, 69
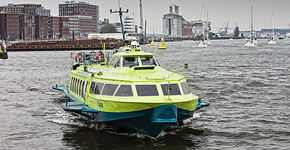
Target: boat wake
64, 118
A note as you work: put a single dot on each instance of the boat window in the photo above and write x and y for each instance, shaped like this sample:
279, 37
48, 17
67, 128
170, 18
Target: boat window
173, 89
71, 84
93, 84
124, 90
109, 89
130, 61
77, 86
148, 60
185, 88
84, 89
147, 90
98, 88
81, 87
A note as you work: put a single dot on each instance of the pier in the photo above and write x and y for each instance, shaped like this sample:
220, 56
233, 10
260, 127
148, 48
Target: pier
61, 45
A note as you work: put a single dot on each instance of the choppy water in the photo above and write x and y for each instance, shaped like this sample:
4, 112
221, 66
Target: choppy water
248, 88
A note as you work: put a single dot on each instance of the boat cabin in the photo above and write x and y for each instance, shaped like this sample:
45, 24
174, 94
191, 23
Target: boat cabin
122, 60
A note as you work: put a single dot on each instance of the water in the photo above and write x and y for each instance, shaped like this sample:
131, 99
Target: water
248, 88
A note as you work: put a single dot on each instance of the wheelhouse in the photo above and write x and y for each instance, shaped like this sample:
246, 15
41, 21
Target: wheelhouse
123, 60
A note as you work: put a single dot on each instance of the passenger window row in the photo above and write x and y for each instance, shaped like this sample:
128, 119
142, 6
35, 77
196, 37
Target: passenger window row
142, 90
109, 89
77, 86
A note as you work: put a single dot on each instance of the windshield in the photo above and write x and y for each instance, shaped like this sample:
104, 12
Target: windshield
148, 60
130, 61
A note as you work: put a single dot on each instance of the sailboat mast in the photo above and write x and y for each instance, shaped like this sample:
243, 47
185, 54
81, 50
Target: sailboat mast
207, 21
202, 22
252, 23
272, 27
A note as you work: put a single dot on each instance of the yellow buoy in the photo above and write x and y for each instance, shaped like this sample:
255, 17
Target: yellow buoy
152, 43
162, 44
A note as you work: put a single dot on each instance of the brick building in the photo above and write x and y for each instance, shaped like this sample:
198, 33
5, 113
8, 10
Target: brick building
9, 26
64, 27
27, 27
42, 27
83, 17
54, 27
11, 9
24, 22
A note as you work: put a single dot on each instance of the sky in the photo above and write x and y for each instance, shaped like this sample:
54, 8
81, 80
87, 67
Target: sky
237, 12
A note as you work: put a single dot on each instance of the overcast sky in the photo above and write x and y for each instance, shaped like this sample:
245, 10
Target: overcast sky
219, 11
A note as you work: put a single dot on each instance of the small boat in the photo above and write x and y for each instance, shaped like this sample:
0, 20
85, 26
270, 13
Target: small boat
3, 52
231, 39
272, 42
202, 43
208, 42
255, 41
281, 37
130, 93
252, 42
152, 43
162, 44
272, 39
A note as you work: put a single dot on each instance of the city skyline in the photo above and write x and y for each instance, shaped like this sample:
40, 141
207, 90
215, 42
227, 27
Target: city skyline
219, 12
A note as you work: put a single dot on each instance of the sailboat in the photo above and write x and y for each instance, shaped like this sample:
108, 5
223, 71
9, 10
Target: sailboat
272, 40
252, 42
208, 42
202, 43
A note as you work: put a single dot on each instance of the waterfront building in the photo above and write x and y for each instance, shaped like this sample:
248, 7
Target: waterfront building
27, 27
129, 25
42, 12
11, 9
24, 22
83, 17
42, 27
198, 25
172, 23
187, 30
28, 8
278, 32
9, 26
118, 27
54, 28
64, 29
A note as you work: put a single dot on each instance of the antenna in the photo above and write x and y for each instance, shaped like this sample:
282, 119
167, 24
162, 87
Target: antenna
121, 16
